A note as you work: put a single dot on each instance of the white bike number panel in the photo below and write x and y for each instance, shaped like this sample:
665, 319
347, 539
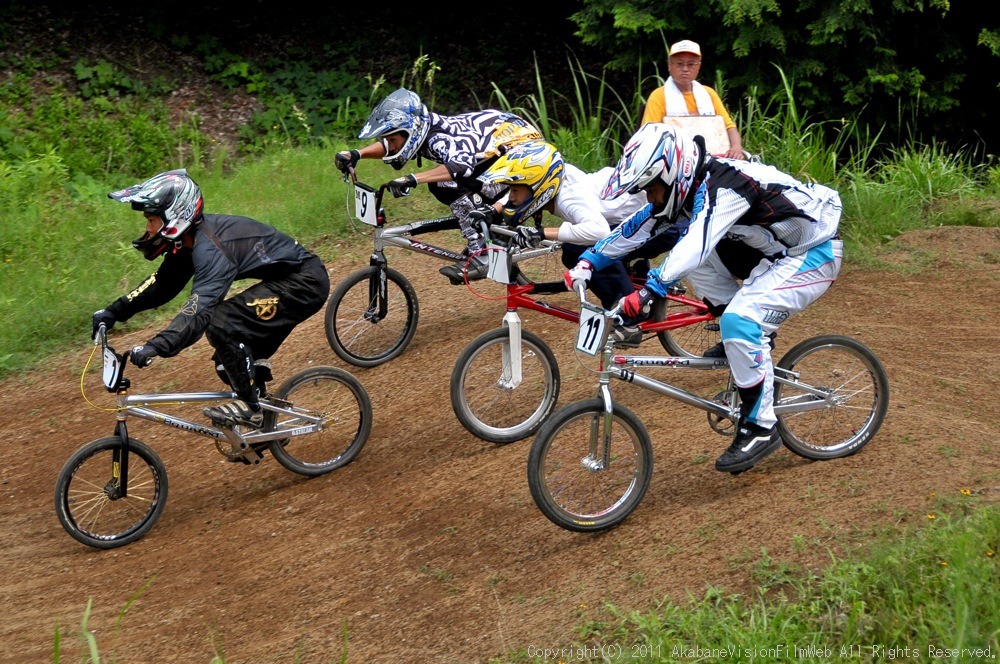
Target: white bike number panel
591, 333
110, 368
499, 269
364, 204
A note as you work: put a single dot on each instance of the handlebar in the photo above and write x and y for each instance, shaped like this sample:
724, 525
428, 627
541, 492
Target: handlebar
101, 339
614, 313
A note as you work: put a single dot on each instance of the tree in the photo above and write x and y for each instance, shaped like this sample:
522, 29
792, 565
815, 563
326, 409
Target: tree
907, 65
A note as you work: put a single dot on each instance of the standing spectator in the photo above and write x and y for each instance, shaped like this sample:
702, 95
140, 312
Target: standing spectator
682, 95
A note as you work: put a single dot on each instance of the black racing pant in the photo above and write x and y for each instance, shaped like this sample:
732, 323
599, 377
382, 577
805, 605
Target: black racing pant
261, 317
612, 283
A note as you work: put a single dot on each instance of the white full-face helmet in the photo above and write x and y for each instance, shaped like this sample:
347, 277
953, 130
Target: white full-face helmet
659, 151
172, 196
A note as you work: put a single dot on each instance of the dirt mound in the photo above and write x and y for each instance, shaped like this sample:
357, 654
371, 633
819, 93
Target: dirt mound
428, 547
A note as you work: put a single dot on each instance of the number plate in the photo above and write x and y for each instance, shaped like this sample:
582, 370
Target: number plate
593, 330
111, 369
364, 204
499, 270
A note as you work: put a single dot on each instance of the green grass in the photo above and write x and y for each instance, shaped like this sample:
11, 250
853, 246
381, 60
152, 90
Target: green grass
934, 586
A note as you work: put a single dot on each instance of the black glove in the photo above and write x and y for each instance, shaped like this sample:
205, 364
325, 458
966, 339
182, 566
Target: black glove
102, 316
142, 356
346, 159
528, 236
483, 215
401, 186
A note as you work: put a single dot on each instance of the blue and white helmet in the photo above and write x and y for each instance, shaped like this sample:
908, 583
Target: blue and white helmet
659, 151
402, 111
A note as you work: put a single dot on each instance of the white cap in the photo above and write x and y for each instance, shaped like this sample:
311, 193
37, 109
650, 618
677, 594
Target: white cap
686, 46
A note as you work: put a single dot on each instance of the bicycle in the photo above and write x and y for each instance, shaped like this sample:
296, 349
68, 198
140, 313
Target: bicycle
506, 381
372, 314
591, 462
112, 490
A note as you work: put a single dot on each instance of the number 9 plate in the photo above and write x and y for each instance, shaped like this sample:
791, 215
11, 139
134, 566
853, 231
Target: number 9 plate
364, 204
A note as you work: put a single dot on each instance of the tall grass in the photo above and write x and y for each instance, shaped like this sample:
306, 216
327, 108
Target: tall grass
588, 126
66, 251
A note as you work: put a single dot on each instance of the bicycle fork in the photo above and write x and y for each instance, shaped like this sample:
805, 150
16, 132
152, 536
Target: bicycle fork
378, 288
117, 486
510, 375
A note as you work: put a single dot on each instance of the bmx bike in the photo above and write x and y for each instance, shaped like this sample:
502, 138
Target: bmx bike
372, 314
506, 381
112, 490
592, 461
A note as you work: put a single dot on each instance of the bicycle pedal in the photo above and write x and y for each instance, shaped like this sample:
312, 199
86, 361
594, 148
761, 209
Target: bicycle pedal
251, 457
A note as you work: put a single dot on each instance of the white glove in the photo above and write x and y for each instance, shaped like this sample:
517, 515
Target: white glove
582, 273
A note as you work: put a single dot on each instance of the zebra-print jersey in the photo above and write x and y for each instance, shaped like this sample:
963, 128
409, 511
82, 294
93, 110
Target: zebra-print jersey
459, 141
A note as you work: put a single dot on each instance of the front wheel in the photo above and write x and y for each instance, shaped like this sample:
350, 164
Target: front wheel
835, 401
588, 469
91, 503
364, 330
343, 405
485, 395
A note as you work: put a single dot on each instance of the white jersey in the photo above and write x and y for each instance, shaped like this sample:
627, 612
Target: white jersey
586, 218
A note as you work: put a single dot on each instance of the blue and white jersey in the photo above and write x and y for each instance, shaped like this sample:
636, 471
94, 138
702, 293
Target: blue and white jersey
750, 202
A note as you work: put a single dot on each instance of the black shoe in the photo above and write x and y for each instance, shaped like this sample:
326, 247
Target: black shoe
718, 350
626, 336
751, 444
456, 272
235, 413
639, 268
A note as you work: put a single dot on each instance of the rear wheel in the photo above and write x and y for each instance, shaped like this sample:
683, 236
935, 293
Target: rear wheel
691, 340
343, 405
835, 401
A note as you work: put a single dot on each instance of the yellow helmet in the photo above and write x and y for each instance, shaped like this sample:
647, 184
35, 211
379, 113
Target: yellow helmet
536, 164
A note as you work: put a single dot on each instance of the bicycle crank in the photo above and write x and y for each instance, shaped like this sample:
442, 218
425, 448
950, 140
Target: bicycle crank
723, 425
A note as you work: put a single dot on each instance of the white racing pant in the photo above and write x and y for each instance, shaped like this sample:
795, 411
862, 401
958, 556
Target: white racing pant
773, 293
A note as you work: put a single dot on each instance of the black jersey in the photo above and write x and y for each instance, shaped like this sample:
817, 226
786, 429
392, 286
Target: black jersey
226, 248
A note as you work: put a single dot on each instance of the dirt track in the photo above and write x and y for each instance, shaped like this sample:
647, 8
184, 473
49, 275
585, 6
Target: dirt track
428, 548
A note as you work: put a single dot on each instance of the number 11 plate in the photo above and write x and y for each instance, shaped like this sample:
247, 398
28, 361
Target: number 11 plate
592, 334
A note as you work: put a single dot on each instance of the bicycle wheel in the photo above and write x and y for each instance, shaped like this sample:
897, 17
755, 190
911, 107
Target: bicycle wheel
353, 327
852, 401
89, 500
690, 340
546, 268
573, 482
482, 396
347, 421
